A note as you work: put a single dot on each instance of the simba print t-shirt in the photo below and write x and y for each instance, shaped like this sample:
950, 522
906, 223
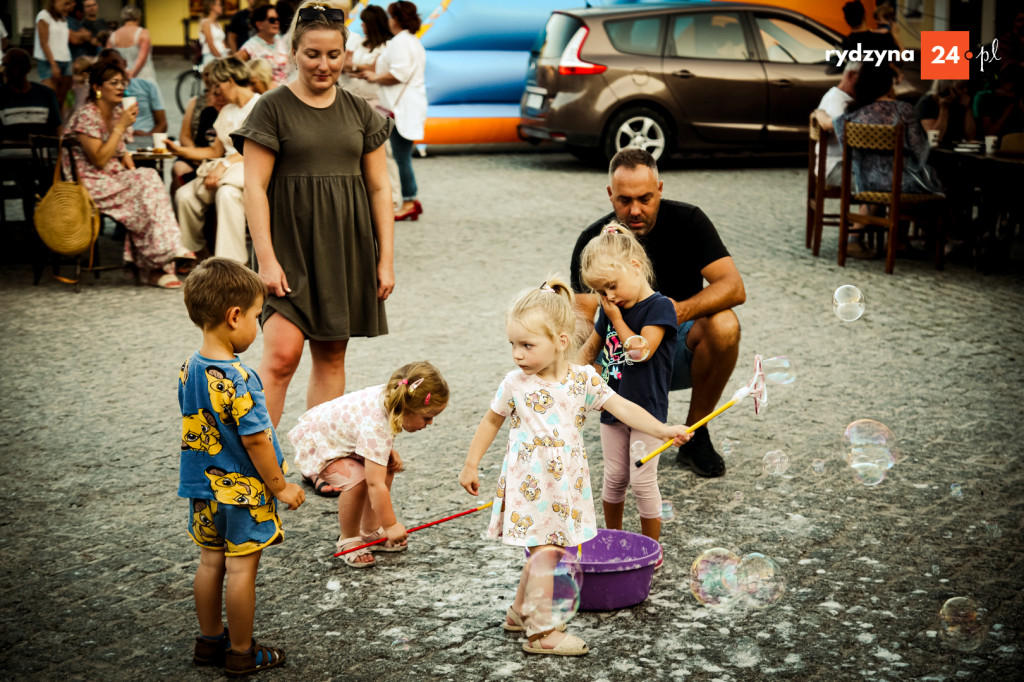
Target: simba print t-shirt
221, 401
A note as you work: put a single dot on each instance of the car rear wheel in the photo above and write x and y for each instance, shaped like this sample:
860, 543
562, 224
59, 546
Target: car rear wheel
639, 127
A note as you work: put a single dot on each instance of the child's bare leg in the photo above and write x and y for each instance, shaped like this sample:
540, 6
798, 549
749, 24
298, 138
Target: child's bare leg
370, 519
613, 514
351, 503
536, 588
241, 598
651, 528
208, 590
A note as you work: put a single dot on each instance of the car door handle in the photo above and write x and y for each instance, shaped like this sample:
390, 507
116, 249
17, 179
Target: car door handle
783, 83
684, 73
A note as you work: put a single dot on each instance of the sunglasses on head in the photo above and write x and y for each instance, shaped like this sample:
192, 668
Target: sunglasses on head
315, 12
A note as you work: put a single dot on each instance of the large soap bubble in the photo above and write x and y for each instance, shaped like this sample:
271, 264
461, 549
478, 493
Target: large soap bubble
713, 576
759, 580
637, 348
779, 370
870, 445
848, 303
553, 586
961, 624
637, 451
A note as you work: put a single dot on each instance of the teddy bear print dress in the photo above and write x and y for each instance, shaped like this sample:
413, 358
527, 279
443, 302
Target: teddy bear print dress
543, 495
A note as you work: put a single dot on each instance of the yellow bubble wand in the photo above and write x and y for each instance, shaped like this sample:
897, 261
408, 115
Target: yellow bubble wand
755, 387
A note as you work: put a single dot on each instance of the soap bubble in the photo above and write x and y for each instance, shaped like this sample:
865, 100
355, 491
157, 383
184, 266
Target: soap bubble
637, 348
819, 466
961, 624
775, 463
759, 580
779, 370
848, 303
400, 644
737, 496
867, 473
553, 587
637, 451
956, 491
667, 512
867, 441
713, 576
993, 529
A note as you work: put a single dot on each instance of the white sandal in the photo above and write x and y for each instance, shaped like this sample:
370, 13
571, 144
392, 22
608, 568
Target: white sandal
387, 545
350, 558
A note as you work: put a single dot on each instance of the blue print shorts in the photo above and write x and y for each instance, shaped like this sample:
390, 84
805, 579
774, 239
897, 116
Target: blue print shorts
237, 530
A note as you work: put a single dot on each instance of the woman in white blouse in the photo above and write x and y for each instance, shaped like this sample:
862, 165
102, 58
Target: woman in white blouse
211, 33
400, 72
221, 177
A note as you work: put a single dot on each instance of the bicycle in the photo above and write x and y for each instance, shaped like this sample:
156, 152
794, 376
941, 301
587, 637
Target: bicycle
190, 82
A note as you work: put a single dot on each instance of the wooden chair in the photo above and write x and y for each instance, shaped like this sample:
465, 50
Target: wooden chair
817, 190
898, 205
1013, 142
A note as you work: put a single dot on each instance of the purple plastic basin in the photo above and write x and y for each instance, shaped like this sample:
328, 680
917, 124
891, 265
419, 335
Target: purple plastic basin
617, 569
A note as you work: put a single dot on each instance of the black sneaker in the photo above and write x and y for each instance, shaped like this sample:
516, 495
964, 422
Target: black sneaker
699, 456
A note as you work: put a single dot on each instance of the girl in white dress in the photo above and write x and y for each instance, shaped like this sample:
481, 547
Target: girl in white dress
543, 498
211, 33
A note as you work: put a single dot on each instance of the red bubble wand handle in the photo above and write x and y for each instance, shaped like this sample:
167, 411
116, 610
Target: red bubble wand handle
425, 525
755, 387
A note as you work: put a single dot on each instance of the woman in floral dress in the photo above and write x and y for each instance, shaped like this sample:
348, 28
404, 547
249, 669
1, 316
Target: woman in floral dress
135, 197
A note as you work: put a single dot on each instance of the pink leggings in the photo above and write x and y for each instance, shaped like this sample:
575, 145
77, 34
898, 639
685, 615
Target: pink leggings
620, 472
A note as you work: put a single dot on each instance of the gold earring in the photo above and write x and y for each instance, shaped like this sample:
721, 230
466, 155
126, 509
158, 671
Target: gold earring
98, 94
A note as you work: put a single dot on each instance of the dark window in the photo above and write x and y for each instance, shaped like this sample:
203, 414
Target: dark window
790, 43
708, 36
636, 36
557, 34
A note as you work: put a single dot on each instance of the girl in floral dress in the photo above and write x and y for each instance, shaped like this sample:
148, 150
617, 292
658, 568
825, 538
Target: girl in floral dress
347, 443
135, 197
543, 499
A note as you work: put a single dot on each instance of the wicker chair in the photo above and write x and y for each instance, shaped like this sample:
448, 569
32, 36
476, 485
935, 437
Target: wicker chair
898, 205
817, 190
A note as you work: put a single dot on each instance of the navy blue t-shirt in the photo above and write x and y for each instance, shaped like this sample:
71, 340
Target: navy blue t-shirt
644, 383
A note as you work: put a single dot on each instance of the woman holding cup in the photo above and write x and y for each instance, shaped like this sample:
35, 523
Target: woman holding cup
135, 197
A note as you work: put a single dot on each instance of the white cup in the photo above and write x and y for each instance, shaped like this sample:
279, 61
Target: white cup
159, 142
991, 143
128, 101
933, 138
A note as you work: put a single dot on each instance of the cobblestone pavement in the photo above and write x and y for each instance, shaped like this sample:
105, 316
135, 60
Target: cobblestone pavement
97, 568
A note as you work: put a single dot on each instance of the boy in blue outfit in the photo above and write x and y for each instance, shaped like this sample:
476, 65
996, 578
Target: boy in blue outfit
231, 464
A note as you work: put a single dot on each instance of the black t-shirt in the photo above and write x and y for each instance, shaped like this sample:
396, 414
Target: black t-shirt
28, 113
644, 383
928, 107
682, 242
239, 25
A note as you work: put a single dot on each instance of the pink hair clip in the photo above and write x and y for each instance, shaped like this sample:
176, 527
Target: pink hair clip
414, 385
545, 287
426, 401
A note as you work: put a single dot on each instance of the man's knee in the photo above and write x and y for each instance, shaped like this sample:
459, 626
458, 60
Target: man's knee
723, 330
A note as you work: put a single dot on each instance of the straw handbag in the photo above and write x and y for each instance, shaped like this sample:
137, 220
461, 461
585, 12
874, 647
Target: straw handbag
67, 219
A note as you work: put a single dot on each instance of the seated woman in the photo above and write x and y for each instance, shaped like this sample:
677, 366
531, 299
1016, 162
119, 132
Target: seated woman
875, 102
135, 197
197, 128
262, 75
220, 178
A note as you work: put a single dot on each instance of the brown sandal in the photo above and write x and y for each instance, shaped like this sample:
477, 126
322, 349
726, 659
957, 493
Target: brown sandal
211, 650
256, 659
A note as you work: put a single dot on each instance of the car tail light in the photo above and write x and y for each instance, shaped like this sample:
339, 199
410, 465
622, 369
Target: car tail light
570, 64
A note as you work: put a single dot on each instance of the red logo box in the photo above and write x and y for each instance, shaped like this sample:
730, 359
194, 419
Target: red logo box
945, 54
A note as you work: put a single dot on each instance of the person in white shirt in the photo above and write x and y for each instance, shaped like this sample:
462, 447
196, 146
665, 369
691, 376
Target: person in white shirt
221, 177
834, 104
52, 49
211, 33
400, 73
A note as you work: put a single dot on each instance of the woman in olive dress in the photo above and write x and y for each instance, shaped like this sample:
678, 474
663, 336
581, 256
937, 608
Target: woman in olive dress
318, 204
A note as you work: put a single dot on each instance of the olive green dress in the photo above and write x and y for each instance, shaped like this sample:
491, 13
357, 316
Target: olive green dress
320, 222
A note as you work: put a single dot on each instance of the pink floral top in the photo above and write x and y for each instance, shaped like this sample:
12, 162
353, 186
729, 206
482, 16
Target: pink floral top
354, 424
88, 120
